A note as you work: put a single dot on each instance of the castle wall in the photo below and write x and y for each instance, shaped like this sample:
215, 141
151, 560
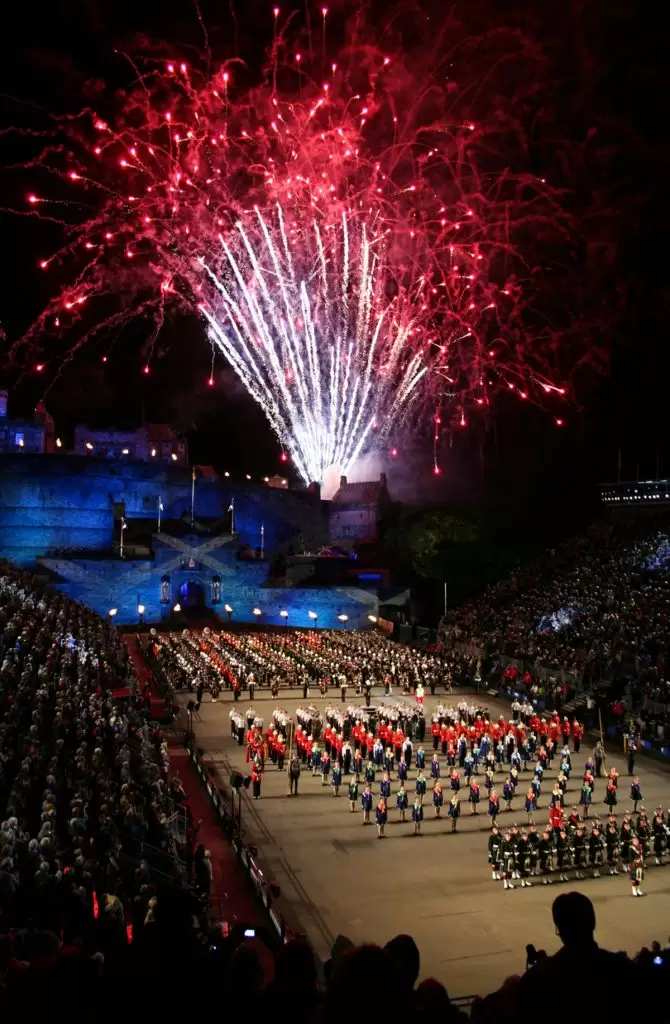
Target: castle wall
56, 502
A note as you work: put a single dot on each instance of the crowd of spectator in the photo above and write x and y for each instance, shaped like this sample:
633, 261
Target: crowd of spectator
596, 607
85, 796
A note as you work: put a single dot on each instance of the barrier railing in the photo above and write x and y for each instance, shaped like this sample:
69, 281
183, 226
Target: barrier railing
463, 1003
265, 889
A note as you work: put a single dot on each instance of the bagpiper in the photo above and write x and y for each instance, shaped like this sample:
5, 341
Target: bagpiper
636, 875
546, 852
507, 855
495, 842
595, 851
579, 851
612, 848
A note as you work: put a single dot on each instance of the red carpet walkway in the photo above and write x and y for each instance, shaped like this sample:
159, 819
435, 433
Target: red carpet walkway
232, 899
143, 675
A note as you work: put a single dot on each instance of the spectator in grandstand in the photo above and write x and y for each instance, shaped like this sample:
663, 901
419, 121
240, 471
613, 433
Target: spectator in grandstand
596, 608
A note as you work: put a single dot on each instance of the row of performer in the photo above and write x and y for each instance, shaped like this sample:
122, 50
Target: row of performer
521, 854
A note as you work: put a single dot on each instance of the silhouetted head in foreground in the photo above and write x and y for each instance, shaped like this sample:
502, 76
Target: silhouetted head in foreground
574, 917
405, 953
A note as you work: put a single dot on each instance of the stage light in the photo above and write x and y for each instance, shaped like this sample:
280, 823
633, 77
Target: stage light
372, 618
257, 612
343, 618
313, 616
228, 609
140, 609
112, 612
177, 608
284, 614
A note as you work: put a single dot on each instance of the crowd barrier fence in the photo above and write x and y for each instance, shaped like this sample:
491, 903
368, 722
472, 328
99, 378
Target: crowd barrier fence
267, 892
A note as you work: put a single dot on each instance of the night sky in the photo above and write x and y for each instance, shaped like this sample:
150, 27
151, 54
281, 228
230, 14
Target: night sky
595, 131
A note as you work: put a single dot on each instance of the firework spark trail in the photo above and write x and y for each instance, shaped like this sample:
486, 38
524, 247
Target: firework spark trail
345, 279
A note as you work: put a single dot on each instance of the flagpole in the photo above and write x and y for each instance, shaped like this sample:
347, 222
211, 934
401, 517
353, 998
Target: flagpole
231, 509
192, 496
262, 540
160, 507
123, 526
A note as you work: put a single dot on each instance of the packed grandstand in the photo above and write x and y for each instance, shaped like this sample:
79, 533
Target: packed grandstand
593, 611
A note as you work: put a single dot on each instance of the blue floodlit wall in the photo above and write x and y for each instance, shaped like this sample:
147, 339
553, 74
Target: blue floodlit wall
53, 503
47, 502
159, 583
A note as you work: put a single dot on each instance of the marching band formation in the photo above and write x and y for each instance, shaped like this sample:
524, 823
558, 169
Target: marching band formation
376, 756
387, 758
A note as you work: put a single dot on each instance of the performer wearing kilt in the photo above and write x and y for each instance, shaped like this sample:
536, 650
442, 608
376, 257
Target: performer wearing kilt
523, 859
579, 851
595, 851
636, 876
546, 852
495, 842
507, 855
612, 847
